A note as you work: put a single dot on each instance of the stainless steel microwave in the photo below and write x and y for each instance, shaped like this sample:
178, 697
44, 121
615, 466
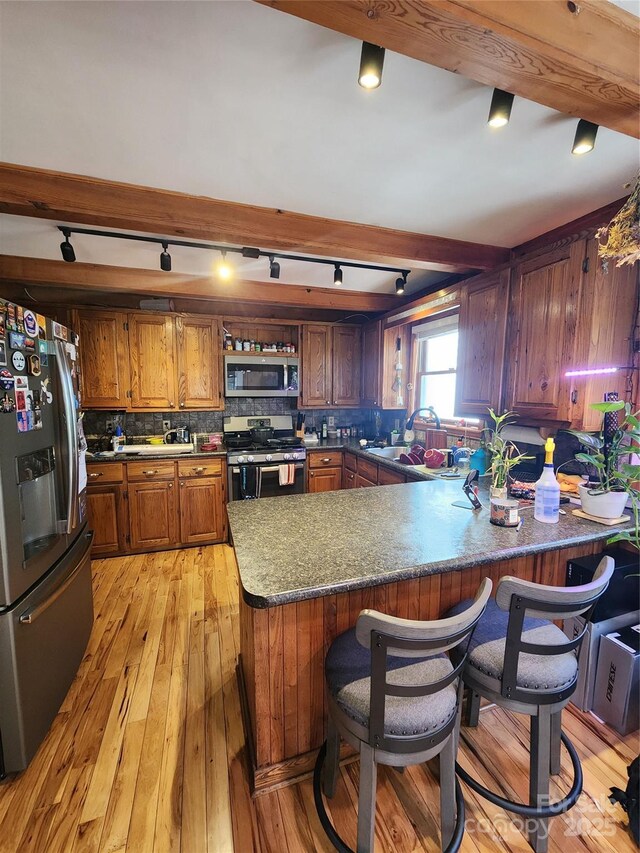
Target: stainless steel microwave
260, 376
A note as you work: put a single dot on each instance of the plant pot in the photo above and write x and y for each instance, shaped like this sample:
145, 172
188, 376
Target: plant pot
498, 492
603, 504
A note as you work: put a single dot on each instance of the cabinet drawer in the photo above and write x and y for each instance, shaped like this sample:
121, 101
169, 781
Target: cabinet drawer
389, 477
330, 459
109, 472
362, 482
200, 468
151, 470
350, 461
368, 470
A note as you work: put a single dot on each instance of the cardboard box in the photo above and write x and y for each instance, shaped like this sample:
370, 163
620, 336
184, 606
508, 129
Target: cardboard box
623, 592
588, 661
616, 698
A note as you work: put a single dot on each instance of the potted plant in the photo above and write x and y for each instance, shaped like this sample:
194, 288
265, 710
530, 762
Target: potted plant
611, 480
503, 453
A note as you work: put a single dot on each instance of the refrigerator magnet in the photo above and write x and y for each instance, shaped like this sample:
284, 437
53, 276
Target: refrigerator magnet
46, 395
18, 360
7, 403
23, 423
20, 318
21, 382
37, 418
30, 324
11, 316
34, 365
6, 379
16, 340
3, 352
21, 401
30, 344
42, 325
3, 324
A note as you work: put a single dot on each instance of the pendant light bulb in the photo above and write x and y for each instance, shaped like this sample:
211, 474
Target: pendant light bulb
585, 137
274, 267
66, 248
224, 269
500, 109
371, 62
165, 258
337, 275
401, 283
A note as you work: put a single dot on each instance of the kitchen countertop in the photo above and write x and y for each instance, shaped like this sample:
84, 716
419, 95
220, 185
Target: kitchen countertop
299, 547
137, 457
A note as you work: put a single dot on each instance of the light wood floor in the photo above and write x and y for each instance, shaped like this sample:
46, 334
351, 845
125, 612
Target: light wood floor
148, 753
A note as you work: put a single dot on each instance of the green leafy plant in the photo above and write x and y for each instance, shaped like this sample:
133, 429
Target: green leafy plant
503, 453
612, 474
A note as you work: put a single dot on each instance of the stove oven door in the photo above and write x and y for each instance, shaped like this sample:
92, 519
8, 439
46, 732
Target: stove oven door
270, 482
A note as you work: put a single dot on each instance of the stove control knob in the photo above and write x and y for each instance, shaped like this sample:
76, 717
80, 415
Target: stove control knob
240, 460
287, 456
268, 457
249, 458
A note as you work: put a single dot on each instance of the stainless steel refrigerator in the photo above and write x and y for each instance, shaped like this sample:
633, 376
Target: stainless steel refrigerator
46, 608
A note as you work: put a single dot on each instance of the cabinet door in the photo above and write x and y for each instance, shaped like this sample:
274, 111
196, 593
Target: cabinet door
545, 302
325, 480
316, 366
481, 343
107, 519
396, 364
202, 510
104, 364
152, 353
348, 479
153, 515
199, 345
362, 482
346, 366
371, 363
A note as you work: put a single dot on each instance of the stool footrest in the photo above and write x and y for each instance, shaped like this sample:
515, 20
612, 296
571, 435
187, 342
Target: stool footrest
529, 811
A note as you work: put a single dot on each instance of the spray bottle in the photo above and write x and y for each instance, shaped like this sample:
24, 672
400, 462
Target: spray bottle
547, 504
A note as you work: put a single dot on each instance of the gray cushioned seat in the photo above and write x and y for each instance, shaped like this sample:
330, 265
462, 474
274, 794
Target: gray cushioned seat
348, 671
535, 672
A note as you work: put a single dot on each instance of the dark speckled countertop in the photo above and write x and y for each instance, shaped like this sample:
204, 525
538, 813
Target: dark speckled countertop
298, 547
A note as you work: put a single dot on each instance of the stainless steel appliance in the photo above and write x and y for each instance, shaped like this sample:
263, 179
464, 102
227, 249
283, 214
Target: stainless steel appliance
260, 376
46, 608
254, 469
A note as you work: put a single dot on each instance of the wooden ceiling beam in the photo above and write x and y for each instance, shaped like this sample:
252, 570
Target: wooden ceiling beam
110, 279
26, 191
581, 58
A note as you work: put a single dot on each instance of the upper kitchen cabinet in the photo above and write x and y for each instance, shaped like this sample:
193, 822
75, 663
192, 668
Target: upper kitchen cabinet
330, 366
104, 360
481, 343
384, 382
371, 363
199, 342
544, 306
152, 352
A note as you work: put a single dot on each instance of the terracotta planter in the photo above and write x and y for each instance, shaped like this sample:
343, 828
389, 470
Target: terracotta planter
604, 504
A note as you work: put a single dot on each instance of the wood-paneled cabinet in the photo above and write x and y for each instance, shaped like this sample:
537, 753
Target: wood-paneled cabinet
201, 510
482, 326
386, 360
104, 360
331, 362
372, 363
152, 353
108, 518
199, 343
325, 480
153, 515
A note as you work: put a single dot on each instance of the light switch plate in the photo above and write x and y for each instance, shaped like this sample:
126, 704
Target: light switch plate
166, 426
331, 421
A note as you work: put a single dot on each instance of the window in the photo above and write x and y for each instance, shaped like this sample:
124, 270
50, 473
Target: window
437, 354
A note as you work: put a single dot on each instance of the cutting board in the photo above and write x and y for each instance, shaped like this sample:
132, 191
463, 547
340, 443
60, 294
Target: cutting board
435, 438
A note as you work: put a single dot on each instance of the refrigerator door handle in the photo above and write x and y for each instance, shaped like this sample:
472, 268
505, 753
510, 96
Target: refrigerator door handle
30, 616
71, 432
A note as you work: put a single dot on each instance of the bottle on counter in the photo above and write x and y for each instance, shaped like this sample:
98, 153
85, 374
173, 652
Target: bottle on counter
547, 502
325, 430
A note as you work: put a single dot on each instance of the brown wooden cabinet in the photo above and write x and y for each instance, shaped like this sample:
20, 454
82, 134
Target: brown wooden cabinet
104, 360
199, 343
384, 384
202, 510
371, 363
325, 480
153, 515
348, 479
152, 353
106, 507
331, 358
481, 343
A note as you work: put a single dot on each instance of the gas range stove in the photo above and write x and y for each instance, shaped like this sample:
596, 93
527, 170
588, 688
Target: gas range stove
265, 455
283, 447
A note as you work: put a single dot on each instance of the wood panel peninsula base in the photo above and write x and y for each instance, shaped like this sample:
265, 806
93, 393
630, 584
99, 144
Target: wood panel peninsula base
348, 544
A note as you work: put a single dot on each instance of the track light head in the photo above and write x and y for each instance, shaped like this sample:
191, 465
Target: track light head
401, 284
371, 62
224, 268
500, 109
274, 267
165, 258
585, 137
250, 252
66, 248
337, 275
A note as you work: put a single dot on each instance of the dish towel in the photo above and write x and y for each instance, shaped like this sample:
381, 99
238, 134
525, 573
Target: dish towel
250, 482
286, 474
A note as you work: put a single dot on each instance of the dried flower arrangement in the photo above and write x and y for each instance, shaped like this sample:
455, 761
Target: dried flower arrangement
620, 239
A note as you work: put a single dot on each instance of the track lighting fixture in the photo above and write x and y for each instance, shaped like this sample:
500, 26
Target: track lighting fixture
585, 137
500, 109
66, 248
274, 267
371, 62
165, 258
223, 269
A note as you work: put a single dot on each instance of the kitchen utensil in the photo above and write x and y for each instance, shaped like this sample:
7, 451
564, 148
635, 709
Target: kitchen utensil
261, 434
433, 458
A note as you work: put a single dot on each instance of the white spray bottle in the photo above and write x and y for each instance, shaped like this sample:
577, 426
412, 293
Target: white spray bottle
547, 505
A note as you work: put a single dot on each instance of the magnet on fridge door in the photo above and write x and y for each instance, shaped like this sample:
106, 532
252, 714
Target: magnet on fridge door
7, 403
6, 379
30, 324
23, 422
42, 325
21, 401
3, 321
3, 352
16, 340
34, 365
21, 382
46, 395
11, 316
30, 344
18, 360
20, 318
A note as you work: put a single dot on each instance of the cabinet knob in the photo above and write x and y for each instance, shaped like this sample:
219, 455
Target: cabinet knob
94, 475
182, 485
312, 474
198, 470
170, 485
326, 460
182, 405
170, 404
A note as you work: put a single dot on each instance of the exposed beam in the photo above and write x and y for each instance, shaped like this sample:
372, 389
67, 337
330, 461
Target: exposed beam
110, 279
584, 63
45, 194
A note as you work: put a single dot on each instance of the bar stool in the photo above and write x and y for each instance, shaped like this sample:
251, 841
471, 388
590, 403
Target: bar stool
392, 697
520, 660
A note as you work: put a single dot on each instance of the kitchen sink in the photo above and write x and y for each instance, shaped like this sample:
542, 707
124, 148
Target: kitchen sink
388, 452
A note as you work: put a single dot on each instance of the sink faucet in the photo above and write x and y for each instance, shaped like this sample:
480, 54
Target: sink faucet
409, 425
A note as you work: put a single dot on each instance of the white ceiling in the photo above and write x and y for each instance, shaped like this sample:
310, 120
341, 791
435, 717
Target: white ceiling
241, 102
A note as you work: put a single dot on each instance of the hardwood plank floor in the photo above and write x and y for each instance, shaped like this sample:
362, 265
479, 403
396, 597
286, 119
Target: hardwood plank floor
148, 753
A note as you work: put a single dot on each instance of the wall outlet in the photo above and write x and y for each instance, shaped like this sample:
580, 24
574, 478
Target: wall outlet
109, 426
166, 426
331, 421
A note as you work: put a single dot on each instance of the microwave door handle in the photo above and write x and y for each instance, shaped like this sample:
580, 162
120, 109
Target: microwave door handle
285, 377
70, 432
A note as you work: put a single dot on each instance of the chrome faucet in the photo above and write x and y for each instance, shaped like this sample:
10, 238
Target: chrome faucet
409, 424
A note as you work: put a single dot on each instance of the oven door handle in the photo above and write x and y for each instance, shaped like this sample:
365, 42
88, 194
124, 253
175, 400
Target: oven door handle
271, 469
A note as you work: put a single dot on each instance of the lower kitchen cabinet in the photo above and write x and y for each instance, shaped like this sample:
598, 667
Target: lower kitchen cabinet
108, 518
153, 515
202, 510
325, 480
348, 479
362, 482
